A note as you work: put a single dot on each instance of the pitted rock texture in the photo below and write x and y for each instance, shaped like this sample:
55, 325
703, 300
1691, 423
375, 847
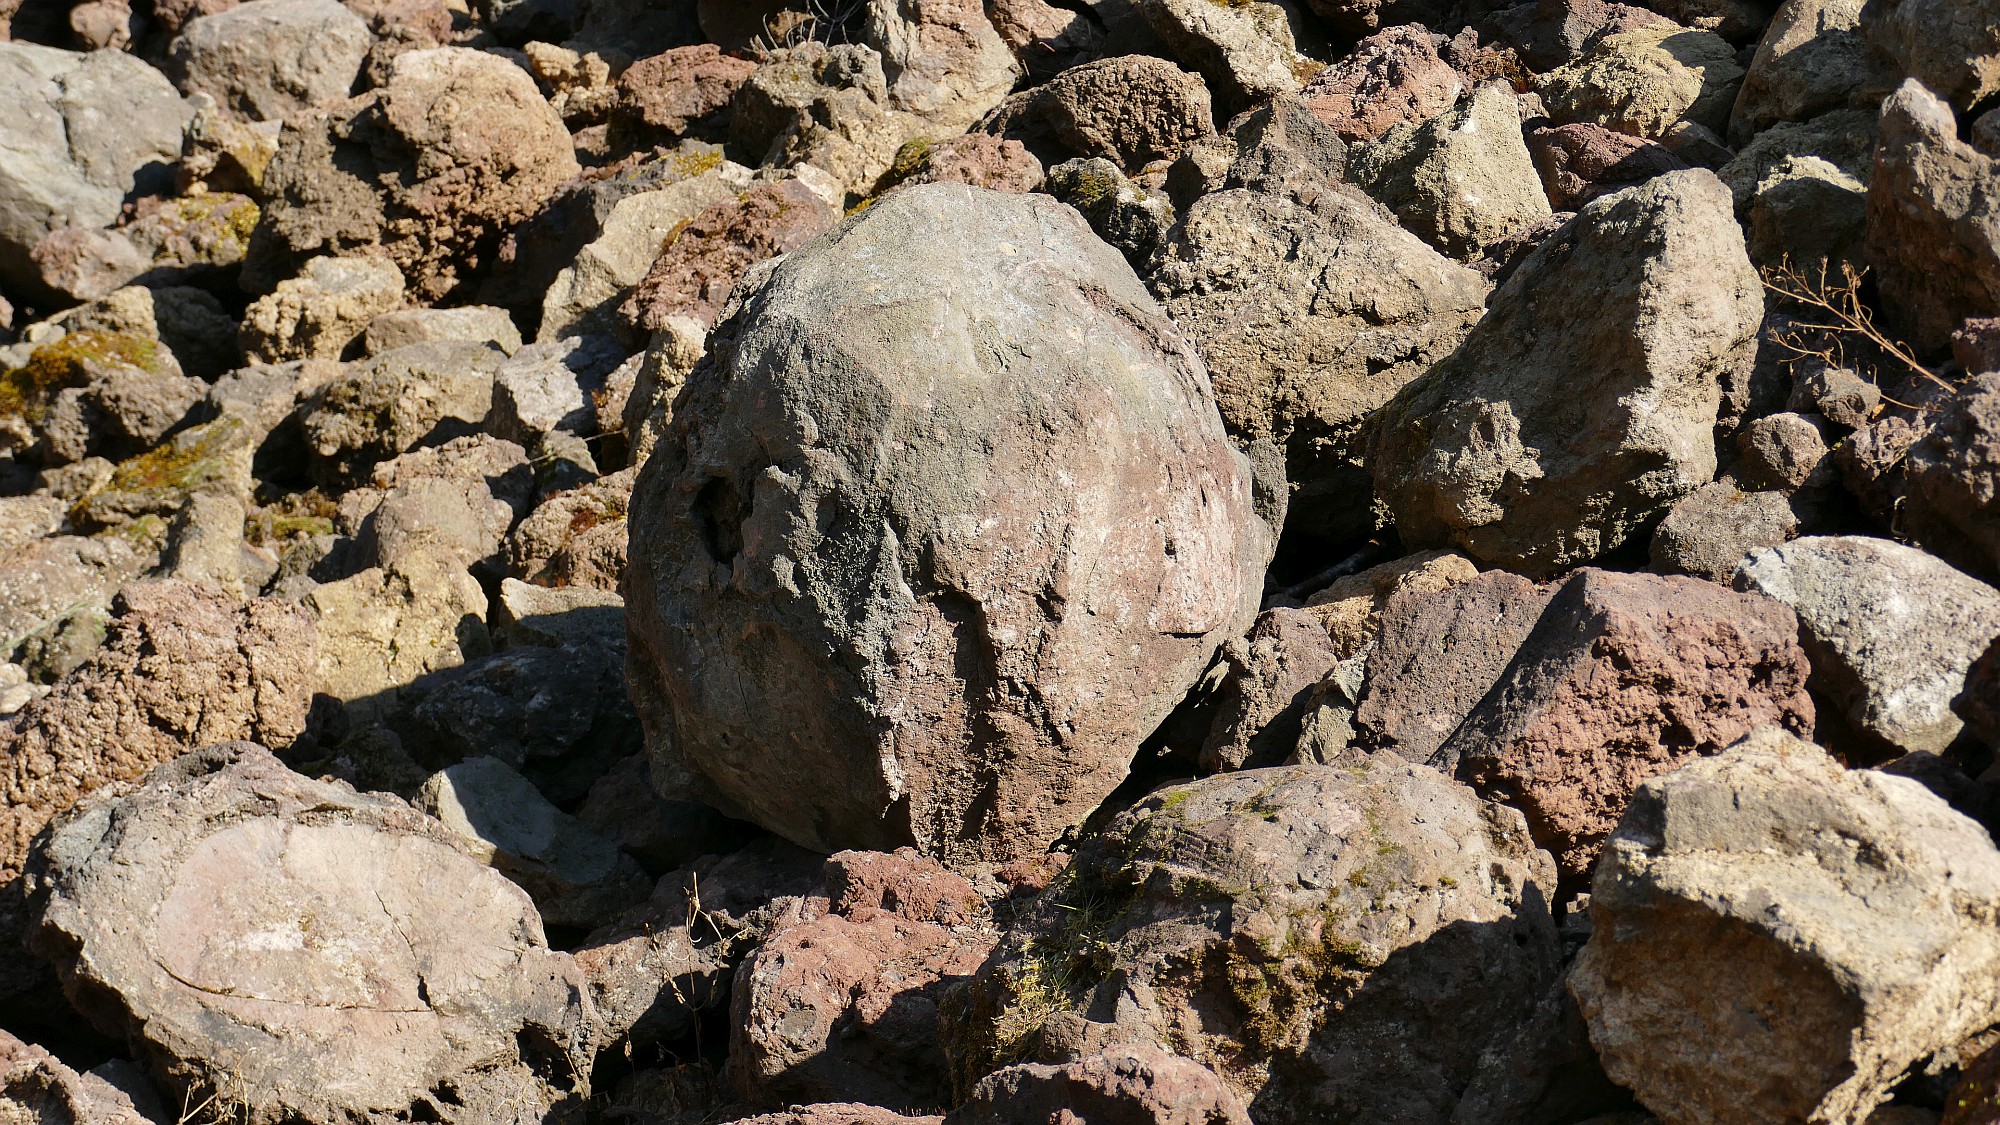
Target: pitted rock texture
322, 955
849, 477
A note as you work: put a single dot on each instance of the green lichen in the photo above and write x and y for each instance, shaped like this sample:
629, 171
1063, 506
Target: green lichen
162, 478
688, 165
291, 515
1088, 189
1285, 997
28, 391
216, 225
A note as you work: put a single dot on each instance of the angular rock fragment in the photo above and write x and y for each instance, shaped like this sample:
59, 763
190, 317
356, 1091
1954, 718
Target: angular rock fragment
270, 59
309, 953
1778, 939
1463, 180
1710, 533
696, 270
1582, 162
768, 533
1951, 46
1539, 450
1393, 77
1270, 674
1933, 220
381, 408
37, 1089
1131, 111
319, 313
1953, 479
1129, 1083
1811, 60
1248, 51
1645, 82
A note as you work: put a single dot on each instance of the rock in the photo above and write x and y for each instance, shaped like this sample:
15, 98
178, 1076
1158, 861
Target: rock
1126, 1085
1311, 315
742, 493
1580, 163
1977, 346
212, 460
181, 667
320, 313
1394, 76
654, 972
1438, 654
685, 90
1131, 111
1778, 939
838, 1113
88, 130
1932, 214
88, 394
1709, 533
319, 955
1951, 506
1784, 451
1812, 60
695, 272
1247, 51
586, 294
1625, 677
1977, 1096
1324, 921
1125, 213
943, 59
557, 618
382, 628
192, 324
1807, 210
455, 501
1463, 181
474, 324
576, 538
1838, 394
975, 159
1351, 608
455, 148
1357, 18
1646, 81
576, 877
1271, 672
552, 386
1490, 450
661, 833
1843, 138
1279, 147
271, 59
48, 585
842, 1004
1046, 39
1891, 631
37, 1089
1550, 34
383, 407
199, 238
1950, 47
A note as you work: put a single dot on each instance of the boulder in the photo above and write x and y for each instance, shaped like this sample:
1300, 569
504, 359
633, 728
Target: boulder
382, 628
1393, 77
697, 268
307, 953
1891, 631
37, 1089
1582, 162
1124, 212
1950, 46
1775, 938
456, 147
1311, 313
474, 324
1624, 678
1338, 943
1933, 221
768, 534
1131, 111
1811, 60
1843, 138
1709, 533
687, 89
1953, 506
182, 667
1463, 181
576, 538
1351, 608
1438, 654
271, 59
86, 131
1247, 51
1645, 82
1539, 450
321, 312
1809, 211
553, 387
92, 394
1124, 1085
380, 408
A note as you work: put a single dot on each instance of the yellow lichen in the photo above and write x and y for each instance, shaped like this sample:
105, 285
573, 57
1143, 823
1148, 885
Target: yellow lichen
28, 390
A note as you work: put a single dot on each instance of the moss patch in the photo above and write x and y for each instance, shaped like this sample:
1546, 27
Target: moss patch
28, 391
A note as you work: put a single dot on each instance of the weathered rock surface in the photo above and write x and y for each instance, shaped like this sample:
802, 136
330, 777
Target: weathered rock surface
1503, 452
1311, 314
37, 1089
270, 59
1953, 480
753, 522
1645, 82
1131, 111
1891, 631
1811, 60
1778, 939
321, 312
1351, 608
1125, 1085
695, 272
1270, 673
383, 407
1463, 180
1582, 162
1624, 678
1933, 220
1392, 77
309, 953
1338, 943
1951, 47
1247, 51
1710, 533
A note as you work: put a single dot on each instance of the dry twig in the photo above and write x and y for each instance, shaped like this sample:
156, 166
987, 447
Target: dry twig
1844, 315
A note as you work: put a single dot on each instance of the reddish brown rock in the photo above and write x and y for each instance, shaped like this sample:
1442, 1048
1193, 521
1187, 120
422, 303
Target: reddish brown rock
1271, 674
980, 160
1393, 76
1439, 653
1138, 1084
840, 1113
681, 91
172, 15
1581, 162
842, 1005
1624, 678
1933, 220
183, 666
1976, 346
1551, 33
37, 1089
1976, 1098
1045, 38
695, 272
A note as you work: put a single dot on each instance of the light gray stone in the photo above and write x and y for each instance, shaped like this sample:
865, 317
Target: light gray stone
270, 59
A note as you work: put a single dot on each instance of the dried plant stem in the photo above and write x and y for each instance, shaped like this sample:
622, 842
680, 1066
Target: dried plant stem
1838, 300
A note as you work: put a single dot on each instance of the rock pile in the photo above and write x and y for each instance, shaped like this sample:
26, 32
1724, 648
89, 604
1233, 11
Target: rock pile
1000, 562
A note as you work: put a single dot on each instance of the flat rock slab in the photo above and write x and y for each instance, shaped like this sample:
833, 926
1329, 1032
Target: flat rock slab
312, 953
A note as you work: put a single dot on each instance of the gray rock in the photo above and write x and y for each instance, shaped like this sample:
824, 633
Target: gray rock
317, 314
767, 534
1811, 60
270, 59
1462, 180
1709, 533
1348, 937
37, 1089
84, 131
1844, 138
1269, 675
1891, 631
547, 387
1775, 938
1838, 394
474, 324
1646, 81
1785, 452
1933, 221
1951, 46
191, 322
576, 877
578, 538
661, 832
455, 501
557, 618
315, 954
1537, 450
1247, 51
382, 628
380, 408
1951, 474
1123, 212
1311, 313
1808, 211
